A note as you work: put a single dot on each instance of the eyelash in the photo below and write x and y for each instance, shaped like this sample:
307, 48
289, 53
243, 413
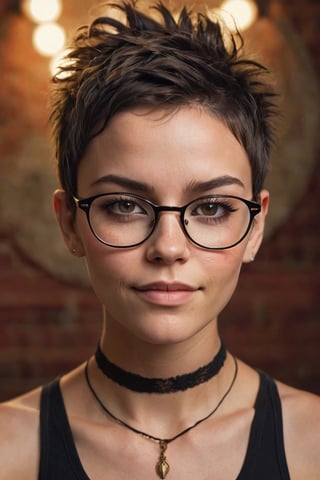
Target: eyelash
226, 207
112, 204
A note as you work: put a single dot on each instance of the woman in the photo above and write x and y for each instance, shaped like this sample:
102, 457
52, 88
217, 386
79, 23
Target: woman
163, 134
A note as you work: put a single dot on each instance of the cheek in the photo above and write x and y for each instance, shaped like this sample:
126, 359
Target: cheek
105, 265
103, 262
225, 263
224, 268
108, 270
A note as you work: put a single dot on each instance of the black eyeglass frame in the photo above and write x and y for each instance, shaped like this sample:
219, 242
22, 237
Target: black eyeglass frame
85, 205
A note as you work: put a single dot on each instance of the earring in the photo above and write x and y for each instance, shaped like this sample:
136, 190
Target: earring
73, 251
252, 257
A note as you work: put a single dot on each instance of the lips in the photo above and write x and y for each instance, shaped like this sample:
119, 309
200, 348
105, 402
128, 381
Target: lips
167, 287
166, 294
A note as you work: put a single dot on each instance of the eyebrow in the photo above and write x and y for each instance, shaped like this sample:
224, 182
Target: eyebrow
225, 180
193, 186
124, 182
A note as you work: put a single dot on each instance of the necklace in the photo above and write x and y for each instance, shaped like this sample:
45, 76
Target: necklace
162, 466
179, 383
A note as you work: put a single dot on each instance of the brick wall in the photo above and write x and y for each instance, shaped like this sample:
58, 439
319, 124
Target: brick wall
47, 327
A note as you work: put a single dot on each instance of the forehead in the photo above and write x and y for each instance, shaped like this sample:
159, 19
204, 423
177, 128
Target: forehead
164, 149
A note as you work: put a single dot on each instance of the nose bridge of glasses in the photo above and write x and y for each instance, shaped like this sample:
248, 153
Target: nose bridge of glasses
165, 208
168, 209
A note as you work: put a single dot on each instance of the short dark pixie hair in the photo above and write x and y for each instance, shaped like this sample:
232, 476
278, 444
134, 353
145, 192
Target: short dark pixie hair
157, 61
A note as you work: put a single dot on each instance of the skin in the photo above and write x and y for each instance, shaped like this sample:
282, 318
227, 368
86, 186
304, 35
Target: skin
155, 333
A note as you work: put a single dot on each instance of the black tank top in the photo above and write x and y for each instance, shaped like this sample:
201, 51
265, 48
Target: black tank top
265, 458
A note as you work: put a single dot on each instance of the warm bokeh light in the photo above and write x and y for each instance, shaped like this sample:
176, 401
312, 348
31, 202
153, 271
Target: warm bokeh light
42, 10
48, 39
238, 14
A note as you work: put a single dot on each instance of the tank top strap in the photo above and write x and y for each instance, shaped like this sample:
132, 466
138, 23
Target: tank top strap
265, 457
58, 454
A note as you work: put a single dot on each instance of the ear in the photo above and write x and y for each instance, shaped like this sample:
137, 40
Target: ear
66, 220
257, 229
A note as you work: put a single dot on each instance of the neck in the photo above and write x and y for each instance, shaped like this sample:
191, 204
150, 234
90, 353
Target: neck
159, 359
158, 414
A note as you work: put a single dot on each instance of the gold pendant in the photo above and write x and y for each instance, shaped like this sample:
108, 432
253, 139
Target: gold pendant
162, 467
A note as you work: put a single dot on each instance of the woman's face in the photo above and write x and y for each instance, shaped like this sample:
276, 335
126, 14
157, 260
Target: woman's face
167, 289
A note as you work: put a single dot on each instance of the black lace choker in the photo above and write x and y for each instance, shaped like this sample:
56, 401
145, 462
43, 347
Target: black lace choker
137, 383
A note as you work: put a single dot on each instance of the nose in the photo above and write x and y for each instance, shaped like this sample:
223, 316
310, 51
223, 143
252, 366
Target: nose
168, 243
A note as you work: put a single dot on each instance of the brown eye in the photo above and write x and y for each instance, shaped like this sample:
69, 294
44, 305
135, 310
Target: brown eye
121, 206
208, 209
126, 206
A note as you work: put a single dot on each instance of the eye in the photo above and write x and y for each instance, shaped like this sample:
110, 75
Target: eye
123, 206
208, 209
212, 209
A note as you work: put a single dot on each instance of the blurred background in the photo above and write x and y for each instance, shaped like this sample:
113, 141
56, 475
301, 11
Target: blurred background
49, 317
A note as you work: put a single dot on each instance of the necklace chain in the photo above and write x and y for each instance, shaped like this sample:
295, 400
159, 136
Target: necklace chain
179, 383
162, 466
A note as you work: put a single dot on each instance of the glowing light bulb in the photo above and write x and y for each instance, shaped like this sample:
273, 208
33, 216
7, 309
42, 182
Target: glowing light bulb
48, 39
41, 11
238, 14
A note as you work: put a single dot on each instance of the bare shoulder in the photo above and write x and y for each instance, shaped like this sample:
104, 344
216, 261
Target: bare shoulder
19, 437
301, 425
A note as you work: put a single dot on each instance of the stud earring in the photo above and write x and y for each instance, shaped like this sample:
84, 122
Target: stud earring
252, 258
73, 251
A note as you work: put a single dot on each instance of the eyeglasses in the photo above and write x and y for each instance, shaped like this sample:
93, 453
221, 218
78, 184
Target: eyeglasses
124, 220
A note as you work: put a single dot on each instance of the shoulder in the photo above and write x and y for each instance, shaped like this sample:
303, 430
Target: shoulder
301, 426
19, 437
